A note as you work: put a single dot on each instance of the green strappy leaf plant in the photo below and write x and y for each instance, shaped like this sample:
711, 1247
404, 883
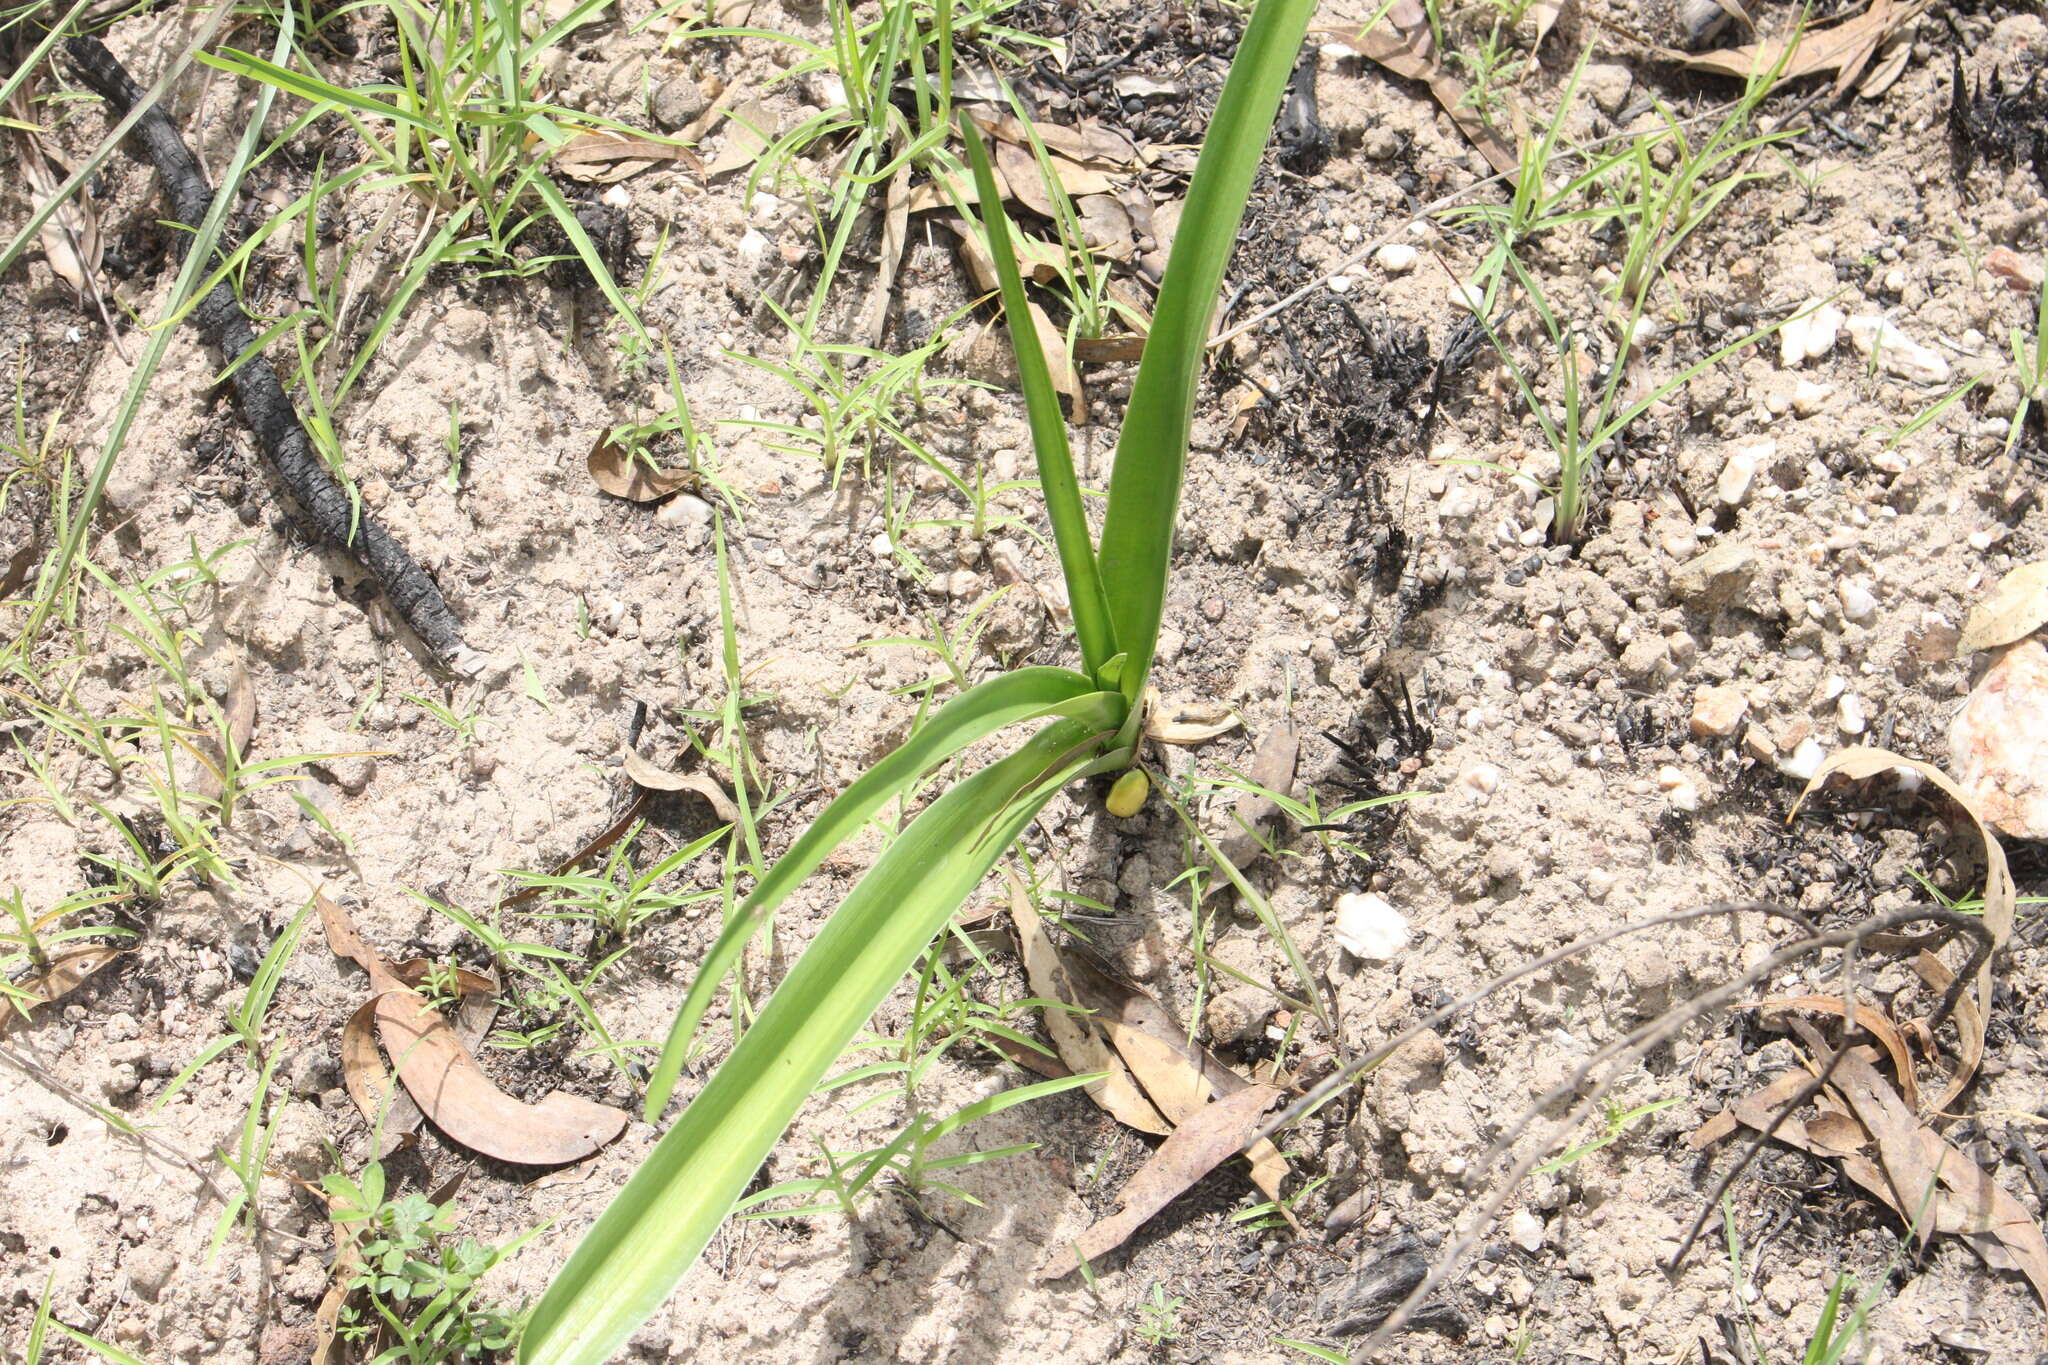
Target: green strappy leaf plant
655, 1228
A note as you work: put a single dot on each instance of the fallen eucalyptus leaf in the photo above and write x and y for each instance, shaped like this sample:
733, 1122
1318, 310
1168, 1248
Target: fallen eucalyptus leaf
619, 474
647, 774
2015, 609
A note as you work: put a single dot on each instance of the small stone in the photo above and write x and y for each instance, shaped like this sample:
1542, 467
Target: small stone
1895, 352
962, 584
1341, 284
1738, 476
1608, 85
1850, 716
1809, 398
1999, 742
2016, 272
1809, 334
1369, 927
1525, 1230
1396, 258
1859, 604
690, 515
1479, 782
754, 247
1214, 608
149, 1268
1679, 789
1804, 761
1716, 711
337, 764
1712, 581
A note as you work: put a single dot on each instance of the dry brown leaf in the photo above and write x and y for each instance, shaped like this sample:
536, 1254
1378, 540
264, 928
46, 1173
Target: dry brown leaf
441, 1075
2015, 609
1174, 1078
1916, 1158
1106, 226
646, 773
1193, 722
1403, 45
1545, 14
1891, 64
604, 158
2000, 898
1845, 47
1868, 1017
19, 565
452, 1090
1207, 1140
1088, 144
239, 712
1077, 1039
895, 234
1969, 1026
1252, 814
1026, 178
328, 1347
1837, 1132
745, 139
68, 971
1064, 378
384, 1107
615, 470
71, 236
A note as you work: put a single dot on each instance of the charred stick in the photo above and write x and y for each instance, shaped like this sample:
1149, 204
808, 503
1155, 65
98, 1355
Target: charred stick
263, 402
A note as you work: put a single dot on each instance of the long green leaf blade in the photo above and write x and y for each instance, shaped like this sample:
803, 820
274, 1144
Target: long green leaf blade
1151, 454
655, 1227
1085, 594
1027, 694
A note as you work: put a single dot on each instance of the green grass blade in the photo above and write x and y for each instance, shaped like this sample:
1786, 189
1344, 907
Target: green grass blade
657, 1225
1151, 455
1026, 694
1092, 624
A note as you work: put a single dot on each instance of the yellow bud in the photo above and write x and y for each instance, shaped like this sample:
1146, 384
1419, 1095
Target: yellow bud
1127, 797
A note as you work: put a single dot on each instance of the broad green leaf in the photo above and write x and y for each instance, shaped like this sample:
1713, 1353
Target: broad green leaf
1070, 531
1027, 694
657, 1225
1151, 453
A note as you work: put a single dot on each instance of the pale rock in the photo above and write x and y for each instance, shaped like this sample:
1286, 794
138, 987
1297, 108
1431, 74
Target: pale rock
1897, 354
1805, 760
962, 584
1480, 782
1851, 717
2014, 271
1396, 258
1738, 476
754, 247
1998, 742
1237, 1015
1714, 580
1525, 1230
1809, 398
1716, 711
1859, 604
1341, 284
1679, 789
1809, 334
1007, 559
1470, 297
690, 515
1369, 927
618, 197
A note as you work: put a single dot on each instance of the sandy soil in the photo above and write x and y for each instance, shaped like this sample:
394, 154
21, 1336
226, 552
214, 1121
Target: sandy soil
1336, 547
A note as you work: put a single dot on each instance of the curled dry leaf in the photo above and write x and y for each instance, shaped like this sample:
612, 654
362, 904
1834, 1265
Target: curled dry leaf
604, 158
651, 776
1026, 178
748, 129
1868, 1017
68, 971
1844, 48
238, 710
71, 236
2016, 608
895, 234
1078, 1039
384, 1107
1253, 815
619, 474
1208, 1139
2000, 898
1193, 722
1064, 378
1404, 45
452, 1090
441, 1075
